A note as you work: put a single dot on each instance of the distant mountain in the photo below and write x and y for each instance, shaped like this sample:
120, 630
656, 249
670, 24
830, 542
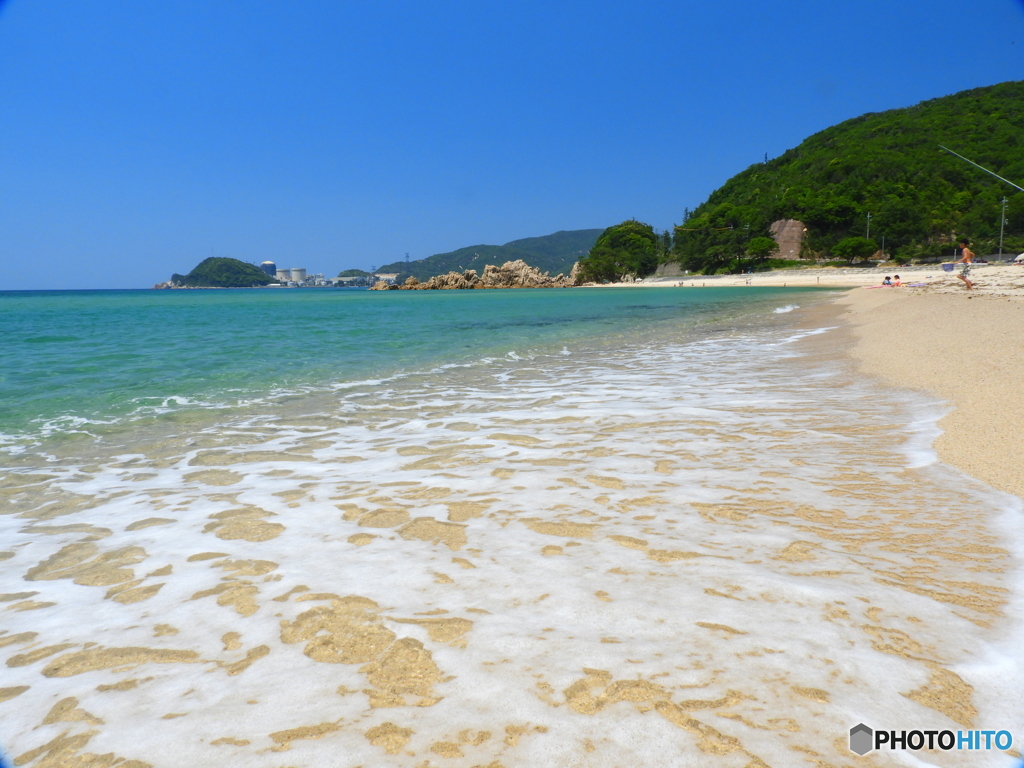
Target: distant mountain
554, 253
220, 272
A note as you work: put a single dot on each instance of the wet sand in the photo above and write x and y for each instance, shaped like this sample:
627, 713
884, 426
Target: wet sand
967, 348
722, 552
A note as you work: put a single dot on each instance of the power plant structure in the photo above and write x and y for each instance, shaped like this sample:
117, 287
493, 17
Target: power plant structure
269, 267
296, 276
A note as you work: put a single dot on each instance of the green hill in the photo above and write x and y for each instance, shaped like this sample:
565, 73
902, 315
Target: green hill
552, 253
220, 272
888, 164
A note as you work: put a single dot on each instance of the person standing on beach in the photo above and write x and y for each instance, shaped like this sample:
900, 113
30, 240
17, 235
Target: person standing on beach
966, 259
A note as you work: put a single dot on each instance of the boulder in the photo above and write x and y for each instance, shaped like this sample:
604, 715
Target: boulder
511, 274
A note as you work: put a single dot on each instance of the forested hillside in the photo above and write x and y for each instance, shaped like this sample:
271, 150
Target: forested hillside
886, 164
554, 253
220, 272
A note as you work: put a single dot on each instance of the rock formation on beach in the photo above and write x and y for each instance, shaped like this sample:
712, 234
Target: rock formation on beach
511, 274
554, 253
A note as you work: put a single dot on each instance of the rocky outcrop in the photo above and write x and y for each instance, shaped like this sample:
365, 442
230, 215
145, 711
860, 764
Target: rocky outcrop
511, 274
519, 274
453, 281
383, 285
576, 274
671, 269
789, 234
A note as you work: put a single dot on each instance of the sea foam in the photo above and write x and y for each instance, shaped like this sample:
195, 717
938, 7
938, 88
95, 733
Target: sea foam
702, 553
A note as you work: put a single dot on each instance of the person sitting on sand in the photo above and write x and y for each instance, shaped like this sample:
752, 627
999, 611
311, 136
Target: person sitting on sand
887, 281
897, 282
967, 260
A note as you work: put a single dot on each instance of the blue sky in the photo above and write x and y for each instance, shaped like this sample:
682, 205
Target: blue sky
139, 138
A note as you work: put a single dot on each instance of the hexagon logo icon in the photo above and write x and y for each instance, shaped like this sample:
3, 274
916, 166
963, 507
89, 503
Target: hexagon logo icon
861, 739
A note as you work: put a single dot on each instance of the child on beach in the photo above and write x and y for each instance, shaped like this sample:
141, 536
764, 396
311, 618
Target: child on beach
897, 282
966, 259
887, 281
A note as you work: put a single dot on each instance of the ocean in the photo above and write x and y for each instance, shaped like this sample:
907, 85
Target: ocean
595, 527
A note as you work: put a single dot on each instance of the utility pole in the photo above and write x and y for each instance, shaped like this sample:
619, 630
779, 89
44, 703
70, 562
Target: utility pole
868, 235
407, 258
1002, 223
883, 247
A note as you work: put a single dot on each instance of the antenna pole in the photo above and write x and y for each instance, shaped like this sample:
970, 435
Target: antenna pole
1002, 222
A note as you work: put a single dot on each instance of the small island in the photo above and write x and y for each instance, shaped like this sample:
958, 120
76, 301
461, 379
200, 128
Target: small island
220, 272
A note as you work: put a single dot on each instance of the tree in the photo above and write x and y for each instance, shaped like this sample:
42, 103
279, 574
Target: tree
853, 248
666, 246
762, 248
629, 248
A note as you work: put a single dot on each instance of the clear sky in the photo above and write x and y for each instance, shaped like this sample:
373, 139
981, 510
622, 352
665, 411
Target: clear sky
137, 138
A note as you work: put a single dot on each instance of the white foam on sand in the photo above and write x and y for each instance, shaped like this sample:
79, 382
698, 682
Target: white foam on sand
693, 554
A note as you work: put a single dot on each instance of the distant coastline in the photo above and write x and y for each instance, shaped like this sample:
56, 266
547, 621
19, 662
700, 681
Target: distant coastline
169, 287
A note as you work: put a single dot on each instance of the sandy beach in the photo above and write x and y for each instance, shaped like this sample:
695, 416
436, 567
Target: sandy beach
932, 334
965, 347
991, 279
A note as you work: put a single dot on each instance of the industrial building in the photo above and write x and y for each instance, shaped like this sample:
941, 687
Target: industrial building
296, 277
269, 267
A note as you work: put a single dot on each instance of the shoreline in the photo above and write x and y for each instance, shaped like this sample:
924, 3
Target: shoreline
656, 553
1002, 279
1009, 278
965, 349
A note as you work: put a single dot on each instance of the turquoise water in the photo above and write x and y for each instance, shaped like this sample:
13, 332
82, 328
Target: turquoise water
604, 527
76, 358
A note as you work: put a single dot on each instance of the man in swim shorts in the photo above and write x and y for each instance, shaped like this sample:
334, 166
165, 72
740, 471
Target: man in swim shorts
967, 259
